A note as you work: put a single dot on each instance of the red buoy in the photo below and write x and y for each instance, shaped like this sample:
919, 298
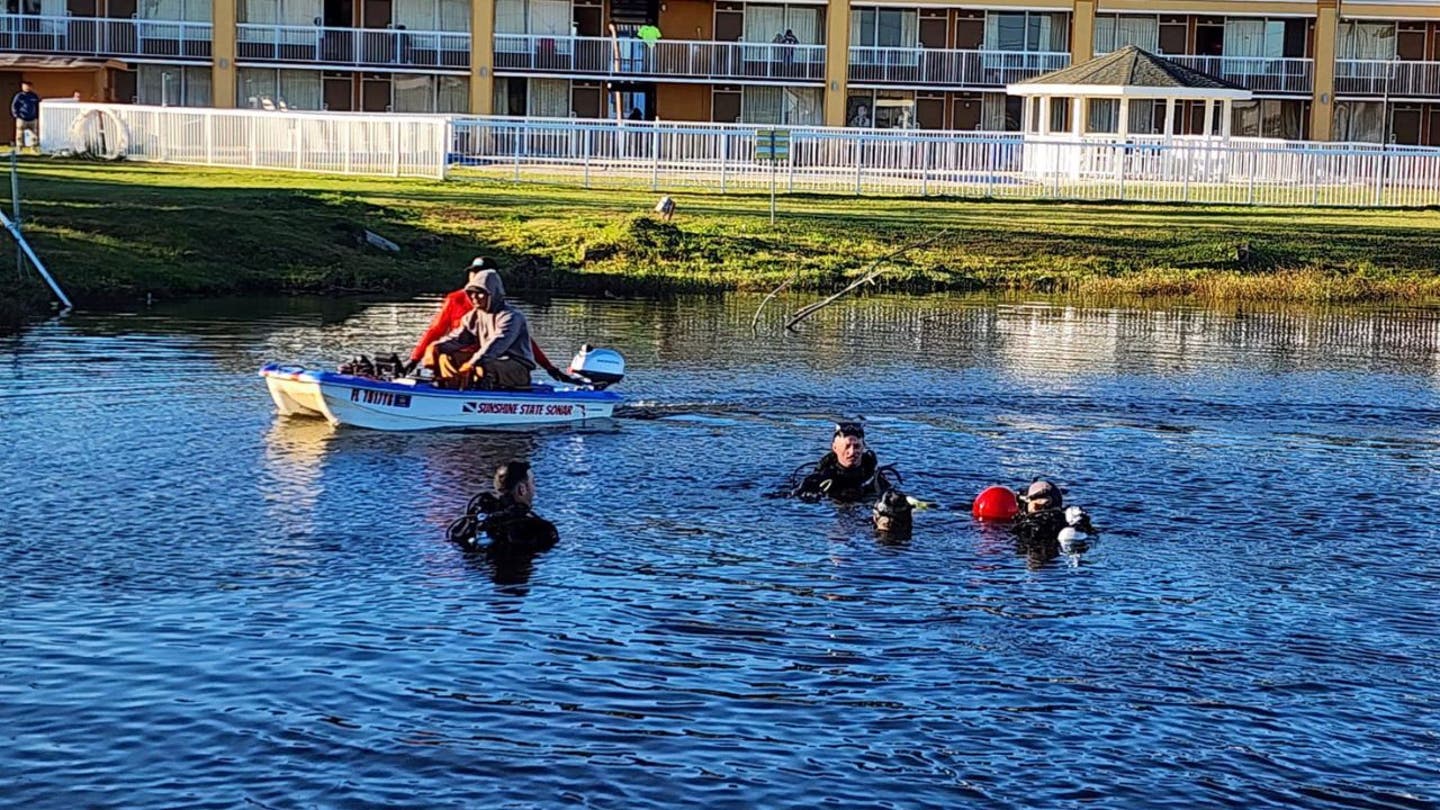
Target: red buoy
995, 503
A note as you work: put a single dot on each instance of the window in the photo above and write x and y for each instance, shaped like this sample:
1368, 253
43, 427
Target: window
173, 85
552, 17
1366, 40
1113, 32
432, 15
1027, 31
264, 88
187, 10
800, 106
885, 28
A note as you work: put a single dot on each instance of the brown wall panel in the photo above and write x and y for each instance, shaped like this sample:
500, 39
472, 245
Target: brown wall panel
683, 102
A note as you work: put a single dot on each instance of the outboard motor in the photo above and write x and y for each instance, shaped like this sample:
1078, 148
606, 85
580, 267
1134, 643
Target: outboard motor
602, 367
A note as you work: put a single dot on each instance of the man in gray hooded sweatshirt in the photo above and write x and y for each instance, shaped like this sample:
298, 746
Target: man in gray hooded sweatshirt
491, 347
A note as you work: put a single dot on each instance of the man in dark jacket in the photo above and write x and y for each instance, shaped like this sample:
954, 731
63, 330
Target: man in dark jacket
25, 109
491, 348
849, 472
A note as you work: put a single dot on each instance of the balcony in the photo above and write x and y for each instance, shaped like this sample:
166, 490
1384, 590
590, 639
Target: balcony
1392, 79
740, 62
934, 67
105, 37
1261, 74
369, 48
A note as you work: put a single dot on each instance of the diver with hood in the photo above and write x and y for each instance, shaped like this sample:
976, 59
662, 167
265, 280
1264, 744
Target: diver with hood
1045, 527
849, 472
491, 348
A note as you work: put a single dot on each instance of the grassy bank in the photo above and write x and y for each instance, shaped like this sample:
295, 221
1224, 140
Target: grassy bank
122, 231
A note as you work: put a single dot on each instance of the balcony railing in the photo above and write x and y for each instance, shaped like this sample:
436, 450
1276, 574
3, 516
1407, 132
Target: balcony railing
667, 59
1373, 77
1259, 73
352, 47
934, 67
104, 36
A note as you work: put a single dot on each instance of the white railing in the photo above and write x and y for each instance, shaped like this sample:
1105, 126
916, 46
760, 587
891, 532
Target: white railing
1258, 73
722, 157
357, 47
336, 143
933, 67
103, 36
1394, 78
673, 58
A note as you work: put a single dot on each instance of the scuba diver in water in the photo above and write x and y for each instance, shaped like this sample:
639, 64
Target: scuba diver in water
848, 473
516, 533
1045, 527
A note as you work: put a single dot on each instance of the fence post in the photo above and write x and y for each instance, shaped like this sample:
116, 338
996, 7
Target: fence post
209, 138
589, 145
1314, 184
164, 135
655, 165
347, 165
1250, 195
991, 159
724, 157
395, 140
1380, 176
859, 162
519, 133
924, 169
254, 142
790, 166
1189, 169
298, 142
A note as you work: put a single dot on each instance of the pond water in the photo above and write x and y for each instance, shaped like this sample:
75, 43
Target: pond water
205, 605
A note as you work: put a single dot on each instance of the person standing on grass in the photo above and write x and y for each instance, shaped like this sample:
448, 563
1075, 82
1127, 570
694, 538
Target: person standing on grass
25, 109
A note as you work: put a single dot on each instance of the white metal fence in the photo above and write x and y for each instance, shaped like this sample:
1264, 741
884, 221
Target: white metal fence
668, 156
105, 36
339, 143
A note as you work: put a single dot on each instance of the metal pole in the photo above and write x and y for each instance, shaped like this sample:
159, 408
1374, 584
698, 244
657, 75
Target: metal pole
724, 157
15, 201
773, 170
655, 166
35, 260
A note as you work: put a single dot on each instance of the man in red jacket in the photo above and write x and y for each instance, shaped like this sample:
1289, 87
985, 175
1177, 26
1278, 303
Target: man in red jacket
456, 306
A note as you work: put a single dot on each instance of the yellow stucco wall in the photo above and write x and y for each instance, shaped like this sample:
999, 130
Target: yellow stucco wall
222, 50
1322, 105
482, 56
837, 60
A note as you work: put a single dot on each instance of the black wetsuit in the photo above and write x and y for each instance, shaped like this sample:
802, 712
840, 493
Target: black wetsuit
515, 530
1039, 529
831, 480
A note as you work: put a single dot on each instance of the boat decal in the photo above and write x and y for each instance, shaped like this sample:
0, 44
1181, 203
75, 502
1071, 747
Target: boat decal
384, 398
520, 408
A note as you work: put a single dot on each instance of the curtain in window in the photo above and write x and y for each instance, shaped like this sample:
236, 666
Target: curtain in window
411, 93
992, 112
454, 15
1244, 37
763, 23
1142, 116
1360, 121
255, 85
762, 105
415, 15
550, 98
198, 87
263, 12
188, 10
1005, 32
550, 17
1143, 32
501, 97
1046, 32
862, 27
1245, 119
803, 106
510, 16
804, 21
1104, 115
1361, 40
897, 29
453, 94
300, 89
1104, 34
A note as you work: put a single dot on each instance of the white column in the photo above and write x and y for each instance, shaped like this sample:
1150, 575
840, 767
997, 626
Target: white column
1209, 117
1123, 129
1228, 118
1170, 117
1047, 104
1081, 108
1026, 117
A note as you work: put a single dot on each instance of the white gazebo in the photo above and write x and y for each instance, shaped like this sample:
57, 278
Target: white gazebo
1129, 74
1060, 142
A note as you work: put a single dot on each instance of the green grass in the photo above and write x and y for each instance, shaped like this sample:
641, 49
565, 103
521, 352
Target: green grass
117, 231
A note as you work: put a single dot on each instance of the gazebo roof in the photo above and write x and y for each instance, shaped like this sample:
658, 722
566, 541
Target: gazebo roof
1133, 73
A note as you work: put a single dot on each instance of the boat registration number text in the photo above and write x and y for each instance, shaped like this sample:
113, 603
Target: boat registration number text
385, 398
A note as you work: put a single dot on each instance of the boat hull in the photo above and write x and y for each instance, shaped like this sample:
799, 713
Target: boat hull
343, 399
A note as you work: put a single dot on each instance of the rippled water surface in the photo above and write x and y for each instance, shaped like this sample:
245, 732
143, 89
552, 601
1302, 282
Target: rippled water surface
202, 604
